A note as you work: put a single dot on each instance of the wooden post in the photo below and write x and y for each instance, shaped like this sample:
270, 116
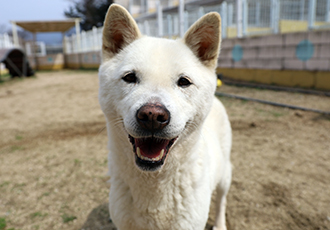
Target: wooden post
15, 35
35, 50
64, 49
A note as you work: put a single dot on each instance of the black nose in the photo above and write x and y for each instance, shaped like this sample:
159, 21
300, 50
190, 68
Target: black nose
153, 116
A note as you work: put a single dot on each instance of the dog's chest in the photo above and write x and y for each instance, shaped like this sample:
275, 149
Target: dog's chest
178, 205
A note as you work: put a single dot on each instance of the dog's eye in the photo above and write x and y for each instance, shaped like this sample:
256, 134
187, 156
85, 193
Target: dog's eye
130, 78
184, 82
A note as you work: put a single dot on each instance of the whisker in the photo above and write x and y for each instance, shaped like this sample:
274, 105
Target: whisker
101, 130
118, 122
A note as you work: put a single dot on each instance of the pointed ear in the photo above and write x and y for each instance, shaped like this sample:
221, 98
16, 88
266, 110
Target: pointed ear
120, 29
204, 38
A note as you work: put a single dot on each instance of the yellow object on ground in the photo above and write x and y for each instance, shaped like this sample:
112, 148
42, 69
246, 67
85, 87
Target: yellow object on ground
219, 83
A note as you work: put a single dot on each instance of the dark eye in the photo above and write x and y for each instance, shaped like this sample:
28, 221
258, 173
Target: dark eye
184, 82
130, 78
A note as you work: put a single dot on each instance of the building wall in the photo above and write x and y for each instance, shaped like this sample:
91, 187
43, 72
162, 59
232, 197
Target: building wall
86, 60
293, 59
48, 62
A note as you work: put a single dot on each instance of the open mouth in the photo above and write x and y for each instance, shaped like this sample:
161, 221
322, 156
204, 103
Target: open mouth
151, 152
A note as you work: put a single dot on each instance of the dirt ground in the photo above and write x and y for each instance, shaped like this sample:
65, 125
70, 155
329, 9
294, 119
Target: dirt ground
53, 157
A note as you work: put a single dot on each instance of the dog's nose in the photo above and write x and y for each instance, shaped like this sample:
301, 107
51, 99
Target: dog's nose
153, 116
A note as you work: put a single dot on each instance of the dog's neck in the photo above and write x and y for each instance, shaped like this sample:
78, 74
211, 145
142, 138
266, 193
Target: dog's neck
155, 189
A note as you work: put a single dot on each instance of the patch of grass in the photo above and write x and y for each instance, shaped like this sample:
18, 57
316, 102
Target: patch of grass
17, 137
38, 214
77, 162
16, 148
4, 78
66, 218
18, 187
243, 101
3, 223
44, 194
277, 114
5, 183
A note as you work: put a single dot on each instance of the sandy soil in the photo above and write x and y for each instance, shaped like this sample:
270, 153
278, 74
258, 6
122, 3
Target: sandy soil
53, 157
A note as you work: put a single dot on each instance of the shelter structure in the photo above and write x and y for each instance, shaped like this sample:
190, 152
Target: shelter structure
16, 62
45, 26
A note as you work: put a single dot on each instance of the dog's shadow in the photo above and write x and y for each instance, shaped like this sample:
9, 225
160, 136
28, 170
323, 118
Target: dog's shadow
99, 218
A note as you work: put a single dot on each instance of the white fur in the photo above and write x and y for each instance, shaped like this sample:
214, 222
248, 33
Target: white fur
178, 195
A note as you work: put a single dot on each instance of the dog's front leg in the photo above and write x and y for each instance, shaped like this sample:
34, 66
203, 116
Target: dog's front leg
221, 200
220, 219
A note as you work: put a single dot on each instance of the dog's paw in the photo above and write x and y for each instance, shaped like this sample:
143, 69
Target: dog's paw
219, 228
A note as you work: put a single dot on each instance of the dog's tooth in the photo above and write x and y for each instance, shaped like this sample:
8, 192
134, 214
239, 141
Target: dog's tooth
138, 152
155, 159
161, 154
146, 158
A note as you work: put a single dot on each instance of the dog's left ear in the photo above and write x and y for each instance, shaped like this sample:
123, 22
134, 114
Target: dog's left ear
204, 38
120, 29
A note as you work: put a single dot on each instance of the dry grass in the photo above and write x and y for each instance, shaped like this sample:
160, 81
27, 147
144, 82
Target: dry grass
53, 157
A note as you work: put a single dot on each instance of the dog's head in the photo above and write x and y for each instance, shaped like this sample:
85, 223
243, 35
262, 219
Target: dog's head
156, 91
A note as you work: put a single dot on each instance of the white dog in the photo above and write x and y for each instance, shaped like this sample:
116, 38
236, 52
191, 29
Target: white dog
169, 137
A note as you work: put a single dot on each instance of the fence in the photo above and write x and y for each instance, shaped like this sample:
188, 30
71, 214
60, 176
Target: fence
240, 18
84, 42
6, 41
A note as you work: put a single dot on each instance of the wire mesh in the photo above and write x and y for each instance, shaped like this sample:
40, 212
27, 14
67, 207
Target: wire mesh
259, 17
294, 9
259, 13
322, 10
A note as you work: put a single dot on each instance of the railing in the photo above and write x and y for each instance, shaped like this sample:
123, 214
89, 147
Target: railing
6, 41
84, 42
240, 18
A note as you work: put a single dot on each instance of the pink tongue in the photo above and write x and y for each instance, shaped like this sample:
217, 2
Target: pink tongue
151, 147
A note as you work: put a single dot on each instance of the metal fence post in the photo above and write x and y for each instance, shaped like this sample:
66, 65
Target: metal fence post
224, 19
181, 18
201, 12
239, 18
77, 25
130, 6
95, 41
186, 21
160, 19
311, 14
275, 15
327, 16
146, 27
176, 30
245, 17
169, 25
230, 19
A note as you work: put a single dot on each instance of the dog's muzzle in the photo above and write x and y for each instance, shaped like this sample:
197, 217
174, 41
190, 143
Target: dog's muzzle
151, 151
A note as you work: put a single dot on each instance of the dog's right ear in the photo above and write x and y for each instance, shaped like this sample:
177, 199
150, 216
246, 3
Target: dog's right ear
120, 29
204, 38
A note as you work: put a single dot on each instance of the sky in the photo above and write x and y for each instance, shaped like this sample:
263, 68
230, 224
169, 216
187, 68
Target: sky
32, 10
